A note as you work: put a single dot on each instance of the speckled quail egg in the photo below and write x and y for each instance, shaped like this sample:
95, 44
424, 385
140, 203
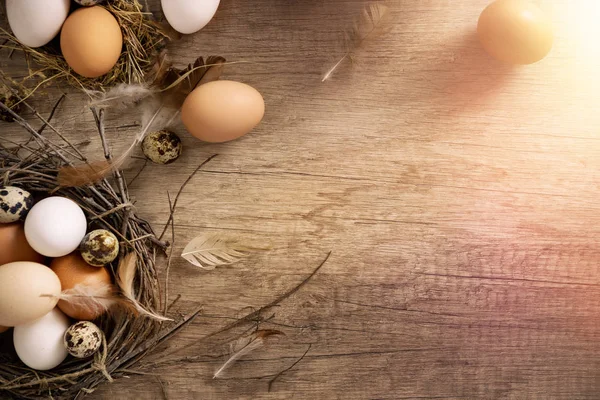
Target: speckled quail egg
15, 203
99, 247
162, 147
83, 339
88, 3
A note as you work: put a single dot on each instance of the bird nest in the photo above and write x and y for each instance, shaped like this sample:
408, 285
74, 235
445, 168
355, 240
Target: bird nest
144, 39
34, 164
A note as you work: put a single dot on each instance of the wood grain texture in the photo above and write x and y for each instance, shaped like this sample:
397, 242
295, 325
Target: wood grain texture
459, 197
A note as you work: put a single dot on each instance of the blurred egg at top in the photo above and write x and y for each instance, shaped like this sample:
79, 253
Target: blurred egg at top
91, 41
36, 22
189, 16
515, 31
221, 111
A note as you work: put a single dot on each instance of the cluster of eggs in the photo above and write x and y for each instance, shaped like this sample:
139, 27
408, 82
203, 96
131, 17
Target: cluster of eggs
45, 252
91, 42
90, 37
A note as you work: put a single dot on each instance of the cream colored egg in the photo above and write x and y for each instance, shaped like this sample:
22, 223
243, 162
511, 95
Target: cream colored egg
28, 291
221, 111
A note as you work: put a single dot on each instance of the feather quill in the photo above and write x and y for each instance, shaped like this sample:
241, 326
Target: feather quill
209, 251
365, 27
125, 280
244, 346
96, 298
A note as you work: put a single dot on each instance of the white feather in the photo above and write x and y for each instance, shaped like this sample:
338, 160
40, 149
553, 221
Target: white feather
239, 351
365, 27
121, 96
91, 297
209, 251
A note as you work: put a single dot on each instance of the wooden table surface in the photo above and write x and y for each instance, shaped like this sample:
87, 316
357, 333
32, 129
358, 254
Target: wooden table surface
458, 196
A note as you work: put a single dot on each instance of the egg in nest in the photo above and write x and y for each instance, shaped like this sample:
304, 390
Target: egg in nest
83, 339
73, 272
91, 41
99, 247
15, 203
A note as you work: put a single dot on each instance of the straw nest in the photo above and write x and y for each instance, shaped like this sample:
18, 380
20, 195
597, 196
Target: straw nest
34, 165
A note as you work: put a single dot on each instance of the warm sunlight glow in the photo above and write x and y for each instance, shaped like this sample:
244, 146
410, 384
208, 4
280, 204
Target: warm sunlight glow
583, 28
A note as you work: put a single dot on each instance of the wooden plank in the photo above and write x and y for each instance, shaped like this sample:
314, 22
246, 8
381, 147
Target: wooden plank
459, 198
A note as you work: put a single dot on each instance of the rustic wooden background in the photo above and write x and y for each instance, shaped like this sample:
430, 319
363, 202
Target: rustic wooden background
458, 195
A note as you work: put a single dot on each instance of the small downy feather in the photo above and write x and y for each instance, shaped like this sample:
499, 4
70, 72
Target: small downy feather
121, 96
90, 173
91, 297
365, 27
125, 280
244, 346
209, 251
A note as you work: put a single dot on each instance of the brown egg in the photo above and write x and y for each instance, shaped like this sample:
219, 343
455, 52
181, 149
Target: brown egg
3, 329
14, 246
220, 111
91, 41
72, 270
515, 31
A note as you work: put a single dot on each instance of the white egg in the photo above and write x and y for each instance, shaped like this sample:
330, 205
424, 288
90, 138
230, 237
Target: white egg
55, 226
39, 344
189, 16
36, 22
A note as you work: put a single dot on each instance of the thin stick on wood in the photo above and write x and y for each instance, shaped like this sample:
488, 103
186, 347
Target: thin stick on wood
78, 154
251, 316
272, 381
60, 99
99, 118
41, 139
170, 256
181, 190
